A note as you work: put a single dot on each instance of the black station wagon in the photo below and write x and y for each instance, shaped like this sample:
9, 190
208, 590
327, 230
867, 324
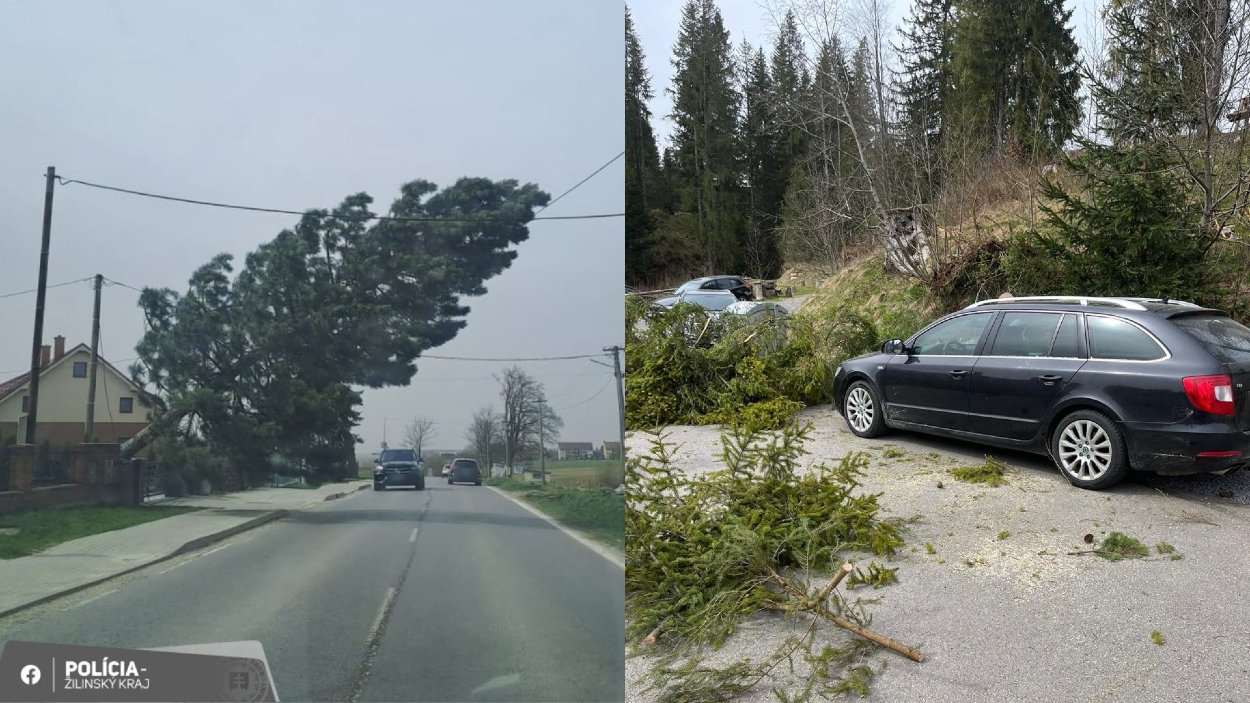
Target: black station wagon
1101, 385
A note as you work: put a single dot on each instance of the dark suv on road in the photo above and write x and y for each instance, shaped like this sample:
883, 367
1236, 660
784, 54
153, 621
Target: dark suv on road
465, 471
1101, 385
398, 467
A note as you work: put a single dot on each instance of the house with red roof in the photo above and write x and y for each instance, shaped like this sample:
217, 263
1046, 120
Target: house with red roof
120, 411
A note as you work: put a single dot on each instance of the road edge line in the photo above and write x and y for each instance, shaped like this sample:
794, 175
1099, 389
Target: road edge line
617, 558
188, 547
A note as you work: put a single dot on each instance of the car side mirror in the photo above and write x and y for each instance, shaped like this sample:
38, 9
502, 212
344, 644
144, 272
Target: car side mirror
894, 346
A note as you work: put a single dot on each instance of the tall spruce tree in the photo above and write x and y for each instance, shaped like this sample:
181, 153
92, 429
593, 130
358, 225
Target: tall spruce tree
642, 159
705, 136
1130, 224
924, 82
762, 165
1015, 77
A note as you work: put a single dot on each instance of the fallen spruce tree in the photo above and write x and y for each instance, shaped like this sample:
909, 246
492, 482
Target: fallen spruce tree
706, 552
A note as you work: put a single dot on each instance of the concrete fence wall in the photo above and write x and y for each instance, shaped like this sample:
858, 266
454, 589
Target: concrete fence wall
94, 475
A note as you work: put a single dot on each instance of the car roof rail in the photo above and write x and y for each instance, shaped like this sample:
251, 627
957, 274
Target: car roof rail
1125, 303
1165, 301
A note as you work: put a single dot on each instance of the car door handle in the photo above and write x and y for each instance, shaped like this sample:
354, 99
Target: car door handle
1050, 379
958, 373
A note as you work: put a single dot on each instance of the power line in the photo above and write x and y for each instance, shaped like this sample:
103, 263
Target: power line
123, 285
56, 285
596, 395
579, 183
282, 211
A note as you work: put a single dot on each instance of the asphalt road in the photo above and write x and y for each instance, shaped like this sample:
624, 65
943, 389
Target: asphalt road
450, 594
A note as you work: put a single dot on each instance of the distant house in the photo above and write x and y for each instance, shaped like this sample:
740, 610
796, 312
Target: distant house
611, 450
120, 412
568, 451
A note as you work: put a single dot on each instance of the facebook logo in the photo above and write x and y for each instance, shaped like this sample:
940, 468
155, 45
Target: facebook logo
30, 674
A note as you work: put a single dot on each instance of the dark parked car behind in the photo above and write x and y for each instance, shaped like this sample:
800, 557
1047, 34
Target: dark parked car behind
398, 467
465, 471
1101, 385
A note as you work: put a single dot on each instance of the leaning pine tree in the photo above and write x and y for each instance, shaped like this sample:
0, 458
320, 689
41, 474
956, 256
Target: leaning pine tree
260, 368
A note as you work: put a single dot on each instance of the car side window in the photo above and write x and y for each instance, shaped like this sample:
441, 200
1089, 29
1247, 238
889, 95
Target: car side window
1110, 338
1066, 340
1025, 334
709, 285
955, 337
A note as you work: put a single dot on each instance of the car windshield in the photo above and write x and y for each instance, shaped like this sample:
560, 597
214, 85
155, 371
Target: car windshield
1226, 339
398, 455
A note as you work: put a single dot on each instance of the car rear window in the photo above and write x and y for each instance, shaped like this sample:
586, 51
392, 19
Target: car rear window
1025, 334
1112, 338
1226, 339
465, 464
1066, 340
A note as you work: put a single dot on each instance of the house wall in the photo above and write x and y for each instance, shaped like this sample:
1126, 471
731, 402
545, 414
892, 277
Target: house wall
63, 404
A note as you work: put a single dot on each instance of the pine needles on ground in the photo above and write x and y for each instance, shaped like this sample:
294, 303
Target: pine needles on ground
706, 552
991, 472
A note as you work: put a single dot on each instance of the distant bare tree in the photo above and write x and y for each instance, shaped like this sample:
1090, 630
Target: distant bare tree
522, 396
483, 433
419, 432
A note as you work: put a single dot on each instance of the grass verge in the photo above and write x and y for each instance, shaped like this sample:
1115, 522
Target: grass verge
598, 514
41, 529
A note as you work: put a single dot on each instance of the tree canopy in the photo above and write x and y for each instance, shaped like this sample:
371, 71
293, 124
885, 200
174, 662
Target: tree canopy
264, 364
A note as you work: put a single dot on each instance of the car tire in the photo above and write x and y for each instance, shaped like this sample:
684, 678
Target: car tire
477, 483
420, 486
376, 487
862, 409
1089, 450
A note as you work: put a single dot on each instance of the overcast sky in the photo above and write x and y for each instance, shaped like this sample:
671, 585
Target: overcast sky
295, 105
657, 23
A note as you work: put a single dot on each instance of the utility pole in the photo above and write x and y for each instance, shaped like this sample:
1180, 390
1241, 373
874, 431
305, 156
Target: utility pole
620, 397
37, 345
542, 446
89, 433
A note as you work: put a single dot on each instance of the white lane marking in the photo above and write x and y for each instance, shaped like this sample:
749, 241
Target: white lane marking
413, 536
377, 622
92, 598
217, 549
192, 557
603, 551
497, 682
180, 564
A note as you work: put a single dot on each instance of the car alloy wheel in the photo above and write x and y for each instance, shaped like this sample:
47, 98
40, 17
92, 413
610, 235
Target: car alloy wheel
1085, 450
860, 409
1089, 449
863, 411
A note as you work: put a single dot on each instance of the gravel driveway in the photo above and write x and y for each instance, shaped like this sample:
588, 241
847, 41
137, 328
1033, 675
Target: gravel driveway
1017, 618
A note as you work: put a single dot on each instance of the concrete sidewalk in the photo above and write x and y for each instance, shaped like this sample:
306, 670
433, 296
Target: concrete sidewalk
81, 563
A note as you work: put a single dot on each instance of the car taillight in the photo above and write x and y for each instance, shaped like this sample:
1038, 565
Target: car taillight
1212, 394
